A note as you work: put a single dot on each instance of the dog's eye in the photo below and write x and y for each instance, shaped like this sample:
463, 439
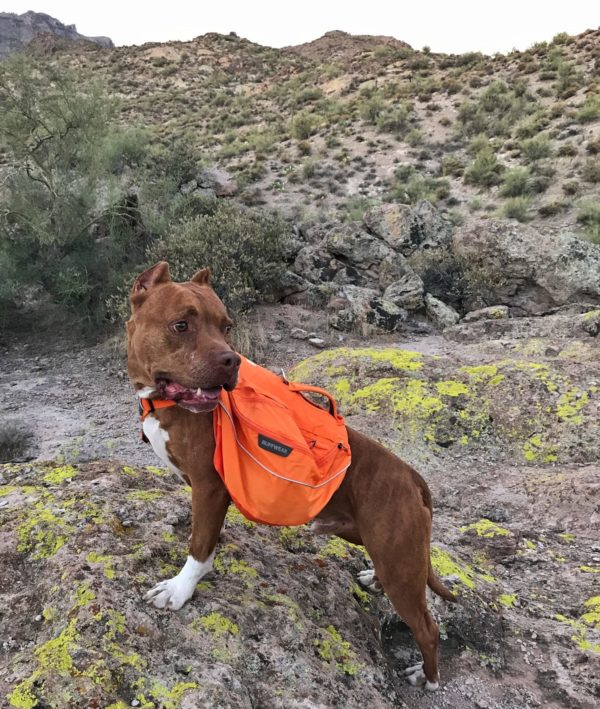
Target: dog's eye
180, 326
228, 329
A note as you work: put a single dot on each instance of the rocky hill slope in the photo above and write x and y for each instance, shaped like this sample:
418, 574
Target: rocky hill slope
344, 122
17, 31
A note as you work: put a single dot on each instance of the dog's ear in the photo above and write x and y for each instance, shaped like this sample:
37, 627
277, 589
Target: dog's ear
159, 273
202, 277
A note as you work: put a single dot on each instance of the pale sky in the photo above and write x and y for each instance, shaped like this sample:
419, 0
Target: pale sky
444, 25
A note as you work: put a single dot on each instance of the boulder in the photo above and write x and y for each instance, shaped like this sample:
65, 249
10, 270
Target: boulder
221, 181
407, 291
409, 229
493, 312
360, 309
532, 273
439, 313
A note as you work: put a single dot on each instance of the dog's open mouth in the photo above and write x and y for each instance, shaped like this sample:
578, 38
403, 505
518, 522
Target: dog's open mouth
196, 400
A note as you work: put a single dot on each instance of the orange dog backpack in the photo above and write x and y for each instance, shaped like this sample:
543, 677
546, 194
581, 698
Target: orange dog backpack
280, 455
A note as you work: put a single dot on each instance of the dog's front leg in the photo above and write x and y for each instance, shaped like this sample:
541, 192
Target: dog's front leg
209, 506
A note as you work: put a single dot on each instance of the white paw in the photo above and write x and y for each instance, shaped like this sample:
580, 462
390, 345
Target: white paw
368, 579
417, 678
175, 592
171, 594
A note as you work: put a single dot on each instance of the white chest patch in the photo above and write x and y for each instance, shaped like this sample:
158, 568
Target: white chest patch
158, 438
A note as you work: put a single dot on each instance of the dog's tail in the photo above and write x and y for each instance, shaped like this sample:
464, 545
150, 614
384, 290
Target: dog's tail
438, 587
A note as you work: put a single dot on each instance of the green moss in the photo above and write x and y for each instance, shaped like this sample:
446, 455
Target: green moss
402, 360
8, 490
590, 619
55, 654
216, 624
451, 388
105, 560
590, 569
170, 698
159, 472
293, 608
570, 405
42, 533
444, 566
49, 614
83, 596
225, 564
508, 600
60, 474
338, 548
168, 537
361, 595
334, 649
132, 472
481, 372
22, 696
591, 315
235, 517
291, 538
485, 528
145, 495
567, 537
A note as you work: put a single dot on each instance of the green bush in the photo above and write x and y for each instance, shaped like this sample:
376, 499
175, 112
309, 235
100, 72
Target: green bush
591, 170
410, 187
590, 109
452, 165
497, 109
485, 170
66, 223
516, 182
589, 216
303, 125
516, 208
536, 148
398, 120
245, 251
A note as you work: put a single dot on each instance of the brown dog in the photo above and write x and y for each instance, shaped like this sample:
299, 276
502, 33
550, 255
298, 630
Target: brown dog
179, 349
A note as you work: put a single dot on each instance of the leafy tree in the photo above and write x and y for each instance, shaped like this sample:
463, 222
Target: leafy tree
66, 221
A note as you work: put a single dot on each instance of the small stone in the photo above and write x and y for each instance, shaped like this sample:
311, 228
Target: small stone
276, 337
552, 351
38, 618
135, 702
317, 342
298, 333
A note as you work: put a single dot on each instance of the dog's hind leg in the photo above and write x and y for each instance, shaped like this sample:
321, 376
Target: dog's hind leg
209, 506
401, 566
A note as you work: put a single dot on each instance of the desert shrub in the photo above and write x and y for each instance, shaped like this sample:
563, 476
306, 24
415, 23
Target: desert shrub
495, 111
308, 95
303, 125
591, 170
67, 225
590, 109
410, 186
397, 120
371, 108
485, 170
588, 215
452, 165
245, 251
516, 208
567, 150
536, 148
516, 182
570, 187
551, 209
14, 441
533, 125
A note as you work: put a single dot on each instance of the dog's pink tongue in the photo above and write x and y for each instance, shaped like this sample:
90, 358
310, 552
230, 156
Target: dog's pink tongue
179, 393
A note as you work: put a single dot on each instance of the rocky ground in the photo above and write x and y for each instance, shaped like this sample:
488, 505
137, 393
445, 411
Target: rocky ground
500, 416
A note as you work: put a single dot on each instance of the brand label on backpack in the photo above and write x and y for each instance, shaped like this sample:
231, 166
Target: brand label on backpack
274, 446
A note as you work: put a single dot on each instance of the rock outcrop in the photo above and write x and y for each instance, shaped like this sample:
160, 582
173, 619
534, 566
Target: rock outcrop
17, 31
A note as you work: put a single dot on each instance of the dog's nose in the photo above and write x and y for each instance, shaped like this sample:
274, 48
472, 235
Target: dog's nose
229, 360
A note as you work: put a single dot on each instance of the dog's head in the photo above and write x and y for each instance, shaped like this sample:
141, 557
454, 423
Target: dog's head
178, 339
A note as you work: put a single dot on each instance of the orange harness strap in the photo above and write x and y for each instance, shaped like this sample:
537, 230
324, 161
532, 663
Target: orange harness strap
147, 406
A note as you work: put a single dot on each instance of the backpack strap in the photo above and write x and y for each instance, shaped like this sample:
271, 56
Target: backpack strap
301, 388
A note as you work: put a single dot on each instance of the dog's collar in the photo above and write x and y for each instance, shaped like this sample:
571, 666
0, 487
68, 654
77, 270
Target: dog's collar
147, 406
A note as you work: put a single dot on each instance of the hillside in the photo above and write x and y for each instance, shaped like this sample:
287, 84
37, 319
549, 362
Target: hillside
335, 125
